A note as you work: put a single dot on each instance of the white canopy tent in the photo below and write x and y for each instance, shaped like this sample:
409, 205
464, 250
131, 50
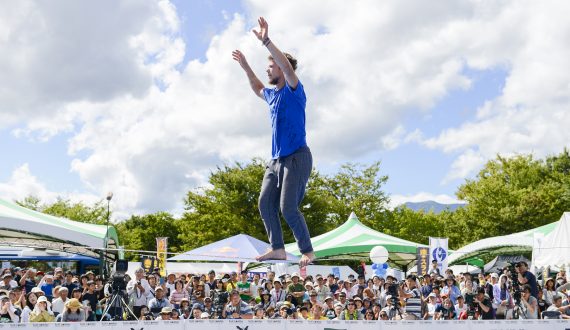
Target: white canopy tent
555, 247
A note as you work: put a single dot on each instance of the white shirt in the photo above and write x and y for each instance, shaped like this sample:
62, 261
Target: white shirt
58, 305
140, 298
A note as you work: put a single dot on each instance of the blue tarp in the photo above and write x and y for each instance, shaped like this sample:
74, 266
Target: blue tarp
239, 248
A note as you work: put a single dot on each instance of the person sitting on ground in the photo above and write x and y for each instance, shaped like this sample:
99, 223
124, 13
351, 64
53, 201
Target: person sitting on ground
7, 311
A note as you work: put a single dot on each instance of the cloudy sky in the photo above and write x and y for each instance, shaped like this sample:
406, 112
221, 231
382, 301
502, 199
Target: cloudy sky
143, 99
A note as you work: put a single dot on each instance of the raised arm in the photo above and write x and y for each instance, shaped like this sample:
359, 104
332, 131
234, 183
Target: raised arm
254, 82
278, 56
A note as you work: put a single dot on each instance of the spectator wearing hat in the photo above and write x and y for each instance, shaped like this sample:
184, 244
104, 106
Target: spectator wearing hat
58, 304
329, 307
165, 314
156, 304
450, 289
430, 307
7, 310
7, 282
351, 313
322, 289
236, 308
313, 298
277, 293
266, 301
232, 282
73, 312
296, 289
42, 312
197, 310
209, 306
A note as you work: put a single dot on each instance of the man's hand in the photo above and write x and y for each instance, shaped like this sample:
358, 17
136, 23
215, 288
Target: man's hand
263, 32
239, 57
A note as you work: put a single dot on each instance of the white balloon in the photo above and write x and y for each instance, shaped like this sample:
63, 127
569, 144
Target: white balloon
379, 254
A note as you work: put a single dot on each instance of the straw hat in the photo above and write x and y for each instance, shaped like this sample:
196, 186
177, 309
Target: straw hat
73, 303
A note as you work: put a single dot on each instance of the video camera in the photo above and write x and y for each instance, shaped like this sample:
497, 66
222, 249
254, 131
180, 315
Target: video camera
470, 302
516, 286
117, 281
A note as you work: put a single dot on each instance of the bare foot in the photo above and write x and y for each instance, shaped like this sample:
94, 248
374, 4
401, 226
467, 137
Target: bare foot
306, 259
278, 254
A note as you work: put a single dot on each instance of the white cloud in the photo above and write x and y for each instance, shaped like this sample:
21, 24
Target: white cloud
365, 67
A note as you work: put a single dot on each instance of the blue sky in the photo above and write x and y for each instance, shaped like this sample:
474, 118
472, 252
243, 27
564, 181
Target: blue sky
433, 101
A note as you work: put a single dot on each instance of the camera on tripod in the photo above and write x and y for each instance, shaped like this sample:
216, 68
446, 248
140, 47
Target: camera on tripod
118, 283
516, 286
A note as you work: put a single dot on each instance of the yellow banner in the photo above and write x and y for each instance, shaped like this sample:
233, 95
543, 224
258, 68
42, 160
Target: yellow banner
161, 249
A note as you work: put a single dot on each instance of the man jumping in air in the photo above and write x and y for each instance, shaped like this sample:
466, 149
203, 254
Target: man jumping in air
287, 173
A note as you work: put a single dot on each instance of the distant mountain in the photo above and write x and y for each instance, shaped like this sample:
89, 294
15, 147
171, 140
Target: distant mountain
432, 206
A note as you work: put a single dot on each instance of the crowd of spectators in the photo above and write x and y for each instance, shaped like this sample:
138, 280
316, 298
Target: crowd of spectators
30, 296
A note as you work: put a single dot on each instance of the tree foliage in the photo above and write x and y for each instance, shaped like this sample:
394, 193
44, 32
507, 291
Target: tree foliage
96, 214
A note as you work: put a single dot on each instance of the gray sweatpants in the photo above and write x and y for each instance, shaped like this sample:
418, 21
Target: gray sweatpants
283, 188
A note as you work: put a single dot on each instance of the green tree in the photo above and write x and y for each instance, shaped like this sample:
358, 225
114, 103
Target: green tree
515, 194
140, 232
96, 214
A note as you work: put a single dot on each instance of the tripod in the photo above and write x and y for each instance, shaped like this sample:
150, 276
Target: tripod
119, 308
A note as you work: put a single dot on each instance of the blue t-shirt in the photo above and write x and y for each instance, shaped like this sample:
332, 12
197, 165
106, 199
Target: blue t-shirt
287, 110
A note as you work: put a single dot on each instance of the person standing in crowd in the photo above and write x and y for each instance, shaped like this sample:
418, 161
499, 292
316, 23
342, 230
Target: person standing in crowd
244, 287
138, 290
287, 174
526, 277
451, 289
413, 298
42, 312
7, 311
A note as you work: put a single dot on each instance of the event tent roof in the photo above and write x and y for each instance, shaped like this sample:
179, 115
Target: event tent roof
20, 226
238, 248
555, 247
354, 240
488, 248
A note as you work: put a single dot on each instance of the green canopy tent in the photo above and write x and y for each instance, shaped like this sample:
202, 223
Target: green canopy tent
353, 241
20, 226
488, 248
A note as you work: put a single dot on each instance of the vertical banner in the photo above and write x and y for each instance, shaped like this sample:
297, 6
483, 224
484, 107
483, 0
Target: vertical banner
438, 251
147, 263
422, 260
336, 272
161, 249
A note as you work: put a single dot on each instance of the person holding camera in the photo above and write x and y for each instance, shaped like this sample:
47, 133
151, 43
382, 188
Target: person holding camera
236, 308
526, 277
483, 305
413, 299
138, 290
